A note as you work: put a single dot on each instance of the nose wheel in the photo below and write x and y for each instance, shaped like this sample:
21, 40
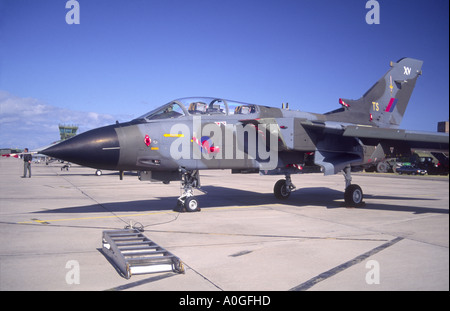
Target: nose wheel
191, 204
187, 201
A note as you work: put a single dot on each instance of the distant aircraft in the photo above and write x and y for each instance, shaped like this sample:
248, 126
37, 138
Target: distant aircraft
17, 154
34, 153
184, 136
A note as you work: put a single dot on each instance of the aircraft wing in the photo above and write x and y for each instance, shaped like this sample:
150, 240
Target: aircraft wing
412, 139
337, 144
373, 135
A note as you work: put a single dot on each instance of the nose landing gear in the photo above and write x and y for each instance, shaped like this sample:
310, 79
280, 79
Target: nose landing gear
187, 201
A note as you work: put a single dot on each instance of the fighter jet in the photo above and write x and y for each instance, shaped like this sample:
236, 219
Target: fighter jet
177, 140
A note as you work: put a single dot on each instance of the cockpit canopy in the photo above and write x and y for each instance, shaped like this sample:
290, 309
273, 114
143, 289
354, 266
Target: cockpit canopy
199, 106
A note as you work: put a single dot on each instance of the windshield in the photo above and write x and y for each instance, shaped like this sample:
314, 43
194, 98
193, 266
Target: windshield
169, 111
199, 106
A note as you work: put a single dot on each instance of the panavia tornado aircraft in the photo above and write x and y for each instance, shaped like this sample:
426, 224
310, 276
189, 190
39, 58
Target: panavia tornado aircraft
184, 136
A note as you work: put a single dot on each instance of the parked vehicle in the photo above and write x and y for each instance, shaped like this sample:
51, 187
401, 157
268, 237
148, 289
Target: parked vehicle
410, 170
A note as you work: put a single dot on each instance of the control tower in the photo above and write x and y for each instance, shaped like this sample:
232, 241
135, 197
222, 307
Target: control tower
67, 131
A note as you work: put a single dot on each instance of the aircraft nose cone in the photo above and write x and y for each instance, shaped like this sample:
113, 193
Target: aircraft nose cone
98, 148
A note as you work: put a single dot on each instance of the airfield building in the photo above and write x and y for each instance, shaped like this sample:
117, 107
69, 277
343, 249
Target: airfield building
67, 131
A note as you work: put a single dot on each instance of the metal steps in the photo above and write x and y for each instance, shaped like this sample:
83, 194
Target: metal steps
134, 253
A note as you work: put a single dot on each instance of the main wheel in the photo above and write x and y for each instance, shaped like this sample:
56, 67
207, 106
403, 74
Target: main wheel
191, 204
353, 195
382, 167
280, 190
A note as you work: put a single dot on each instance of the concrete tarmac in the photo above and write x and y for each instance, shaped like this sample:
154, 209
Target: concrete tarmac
243, 239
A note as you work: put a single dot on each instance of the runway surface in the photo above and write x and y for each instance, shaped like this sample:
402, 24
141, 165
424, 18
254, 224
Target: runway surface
243, 239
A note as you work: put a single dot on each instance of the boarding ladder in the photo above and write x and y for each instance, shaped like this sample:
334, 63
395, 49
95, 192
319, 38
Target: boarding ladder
134, 253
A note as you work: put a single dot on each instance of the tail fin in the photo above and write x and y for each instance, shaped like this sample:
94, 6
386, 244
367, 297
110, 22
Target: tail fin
384, 104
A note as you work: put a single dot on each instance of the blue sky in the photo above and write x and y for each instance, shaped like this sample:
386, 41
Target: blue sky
128, 56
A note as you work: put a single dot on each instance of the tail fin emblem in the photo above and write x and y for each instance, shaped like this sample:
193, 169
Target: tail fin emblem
407, 70
390, 107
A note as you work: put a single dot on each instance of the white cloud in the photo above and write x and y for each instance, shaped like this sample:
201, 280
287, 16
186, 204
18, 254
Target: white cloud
29, 122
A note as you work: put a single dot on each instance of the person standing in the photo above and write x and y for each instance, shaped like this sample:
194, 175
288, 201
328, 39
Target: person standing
26, 163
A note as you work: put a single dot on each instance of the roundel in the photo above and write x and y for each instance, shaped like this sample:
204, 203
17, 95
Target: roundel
147, 140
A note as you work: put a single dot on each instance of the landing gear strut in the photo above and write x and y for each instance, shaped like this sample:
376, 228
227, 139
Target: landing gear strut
283, 188
187, 201
353, 195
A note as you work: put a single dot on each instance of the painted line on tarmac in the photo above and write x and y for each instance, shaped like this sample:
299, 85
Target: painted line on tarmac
327, 274
48, 221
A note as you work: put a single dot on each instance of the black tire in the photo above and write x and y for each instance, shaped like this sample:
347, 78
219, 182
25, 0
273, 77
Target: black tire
353, 195
280, 190
382, 167
191, 205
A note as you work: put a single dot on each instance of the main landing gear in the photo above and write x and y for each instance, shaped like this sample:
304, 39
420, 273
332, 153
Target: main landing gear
187, 201
283, 188
353, 195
